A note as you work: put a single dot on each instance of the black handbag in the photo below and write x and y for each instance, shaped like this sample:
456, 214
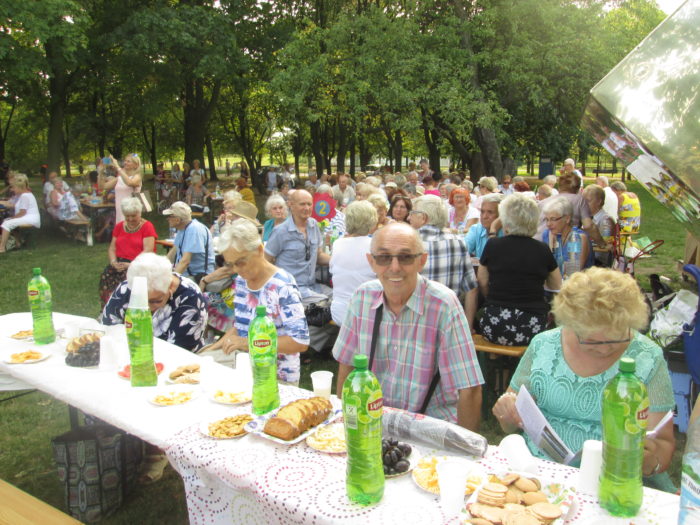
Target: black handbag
318, 314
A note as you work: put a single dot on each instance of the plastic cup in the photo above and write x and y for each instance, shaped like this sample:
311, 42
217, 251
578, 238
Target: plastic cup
452, 480
322, 382
518, 455
591, 465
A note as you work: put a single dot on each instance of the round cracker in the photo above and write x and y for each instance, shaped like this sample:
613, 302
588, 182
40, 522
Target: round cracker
548, 511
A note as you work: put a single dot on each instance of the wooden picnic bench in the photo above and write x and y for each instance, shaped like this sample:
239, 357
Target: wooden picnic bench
19, 508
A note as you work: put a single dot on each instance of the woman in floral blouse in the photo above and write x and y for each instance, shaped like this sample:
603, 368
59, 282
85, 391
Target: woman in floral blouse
177, 305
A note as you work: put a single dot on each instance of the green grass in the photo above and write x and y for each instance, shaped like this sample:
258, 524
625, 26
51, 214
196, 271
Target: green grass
28, 423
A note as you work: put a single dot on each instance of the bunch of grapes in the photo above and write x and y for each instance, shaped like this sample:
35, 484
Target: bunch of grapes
395, 456
87, 355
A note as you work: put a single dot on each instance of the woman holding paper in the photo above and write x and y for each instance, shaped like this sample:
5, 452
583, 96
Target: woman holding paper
599, 313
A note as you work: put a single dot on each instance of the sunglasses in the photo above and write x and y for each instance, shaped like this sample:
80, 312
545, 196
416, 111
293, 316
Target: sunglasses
404, 259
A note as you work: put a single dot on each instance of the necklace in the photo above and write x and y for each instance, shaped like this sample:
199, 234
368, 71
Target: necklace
134, 230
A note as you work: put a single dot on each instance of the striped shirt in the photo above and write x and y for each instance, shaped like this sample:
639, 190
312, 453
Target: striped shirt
448, 259
430, 333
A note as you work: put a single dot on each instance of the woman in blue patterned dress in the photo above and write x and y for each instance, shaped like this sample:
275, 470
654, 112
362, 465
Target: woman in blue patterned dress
177, 305
261, 282
599, 313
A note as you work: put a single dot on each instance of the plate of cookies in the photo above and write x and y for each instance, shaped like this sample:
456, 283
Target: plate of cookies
227, 428
425, 475
26, 358
23, 335
184, 375
519, 499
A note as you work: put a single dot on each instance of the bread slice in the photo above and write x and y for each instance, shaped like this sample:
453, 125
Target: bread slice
282, 428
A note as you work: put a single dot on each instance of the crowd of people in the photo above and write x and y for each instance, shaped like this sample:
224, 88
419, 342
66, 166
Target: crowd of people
417, 264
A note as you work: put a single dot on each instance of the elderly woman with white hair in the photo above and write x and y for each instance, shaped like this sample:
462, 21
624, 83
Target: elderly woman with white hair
127, 181
513, 273
26, 210
276, 209
564, 238
131, 237
259, 282
178, 307
349, 266
197, 194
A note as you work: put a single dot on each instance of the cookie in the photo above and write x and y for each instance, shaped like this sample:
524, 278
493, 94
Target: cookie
514, 495
509, 479
545, 511
530, 498
526, 485
520, 518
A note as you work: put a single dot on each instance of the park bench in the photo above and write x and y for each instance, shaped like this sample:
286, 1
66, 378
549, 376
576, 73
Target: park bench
498, 363
603, 171
75, 227
18, 507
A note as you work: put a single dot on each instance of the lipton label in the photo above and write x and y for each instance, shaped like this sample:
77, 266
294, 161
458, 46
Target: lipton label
261, 343
375, 402
33, 293
128, 325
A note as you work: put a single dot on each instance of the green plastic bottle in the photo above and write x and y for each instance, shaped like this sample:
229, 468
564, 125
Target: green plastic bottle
362, 414
262, 346
139, 333
39, 293
625, 412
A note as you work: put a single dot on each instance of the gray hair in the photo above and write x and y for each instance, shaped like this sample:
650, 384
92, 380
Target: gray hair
469, 185
559, 205
517, 178
400, 180
273, 200
232, 196
324, 188
242, 236
434, 209
604, 179
417, 241
157, 269
545, 189
377, 199
519, 214
131, 205
570, 162
360, 218
374, 181
619, 186
493, 197
490, 183
550, 180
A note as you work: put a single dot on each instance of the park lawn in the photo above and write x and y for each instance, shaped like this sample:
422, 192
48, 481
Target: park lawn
29, 422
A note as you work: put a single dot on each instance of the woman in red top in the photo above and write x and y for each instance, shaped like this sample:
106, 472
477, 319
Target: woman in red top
130, 237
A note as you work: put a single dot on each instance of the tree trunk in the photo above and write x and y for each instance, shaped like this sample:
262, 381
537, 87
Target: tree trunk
197, 111
398, 150
315, 129
431, 138
297, 150
490, 152
149, 139
6, 129
342, 147
212, 161
57, 112
352, 156
65, 143
509, 167
476, 167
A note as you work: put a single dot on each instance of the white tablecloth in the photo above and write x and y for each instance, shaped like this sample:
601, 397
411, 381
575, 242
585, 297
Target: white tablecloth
251, 480
100, 391
254, 481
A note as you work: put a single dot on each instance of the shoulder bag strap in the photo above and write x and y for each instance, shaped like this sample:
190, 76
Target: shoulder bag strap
375, 334
431, 391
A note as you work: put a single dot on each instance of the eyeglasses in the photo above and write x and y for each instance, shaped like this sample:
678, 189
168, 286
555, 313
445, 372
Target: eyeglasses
553, 219
416, 212
384, 259
611, 342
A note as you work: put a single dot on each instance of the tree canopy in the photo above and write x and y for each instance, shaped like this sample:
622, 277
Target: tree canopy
488, 83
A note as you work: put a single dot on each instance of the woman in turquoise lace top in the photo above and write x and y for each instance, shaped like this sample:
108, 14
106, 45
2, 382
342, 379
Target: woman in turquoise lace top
599, 312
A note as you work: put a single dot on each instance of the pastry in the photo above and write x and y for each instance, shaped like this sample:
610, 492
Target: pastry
297, 417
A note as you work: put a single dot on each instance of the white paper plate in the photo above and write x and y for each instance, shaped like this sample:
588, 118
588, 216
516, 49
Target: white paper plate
337, 431
556, 493
248, 396
257, 425
475, 471
204, 429
44, 355
172, 392
413, 459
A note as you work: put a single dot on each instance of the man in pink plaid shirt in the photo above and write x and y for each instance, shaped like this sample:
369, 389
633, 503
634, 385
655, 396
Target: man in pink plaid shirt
423, 331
